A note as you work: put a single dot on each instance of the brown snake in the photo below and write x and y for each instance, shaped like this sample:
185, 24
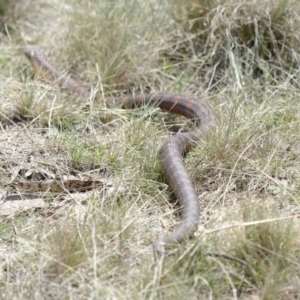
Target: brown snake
171, 152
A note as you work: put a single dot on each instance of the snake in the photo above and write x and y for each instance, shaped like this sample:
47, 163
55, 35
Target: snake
170, 154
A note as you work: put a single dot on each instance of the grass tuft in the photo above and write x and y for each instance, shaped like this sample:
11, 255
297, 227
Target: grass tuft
239, 38
67, 247
269, 248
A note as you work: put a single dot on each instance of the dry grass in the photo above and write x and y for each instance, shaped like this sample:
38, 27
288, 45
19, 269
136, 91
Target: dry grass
242, 58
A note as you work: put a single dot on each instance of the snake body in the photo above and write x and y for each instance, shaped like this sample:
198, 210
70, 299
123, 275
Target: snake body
47, 71
171, 152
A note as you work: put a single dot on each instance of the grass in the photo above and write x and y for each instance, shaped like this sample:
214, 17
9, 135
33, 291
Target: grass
242, 58
269, 245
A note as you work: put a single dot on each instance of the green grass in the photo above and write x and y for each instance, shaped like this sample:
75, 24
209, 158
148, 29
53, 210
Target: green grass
243, 59
270, 249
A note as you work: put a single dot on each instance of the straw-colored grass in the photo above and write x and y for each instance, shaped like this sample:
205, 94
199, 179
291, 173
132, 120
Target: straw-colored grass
242, 58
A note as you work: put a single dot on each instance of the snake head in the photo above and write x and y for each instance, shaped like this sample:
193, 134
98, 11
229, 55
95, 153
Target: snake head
33, 53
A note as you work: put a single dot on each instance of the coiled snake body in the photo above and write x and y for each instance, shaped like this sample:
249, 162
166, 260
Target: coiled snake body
171, 152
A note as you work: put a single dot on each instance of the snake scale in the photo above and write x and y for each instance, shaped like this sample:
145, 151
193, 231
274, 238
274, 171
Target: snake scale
170, 153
